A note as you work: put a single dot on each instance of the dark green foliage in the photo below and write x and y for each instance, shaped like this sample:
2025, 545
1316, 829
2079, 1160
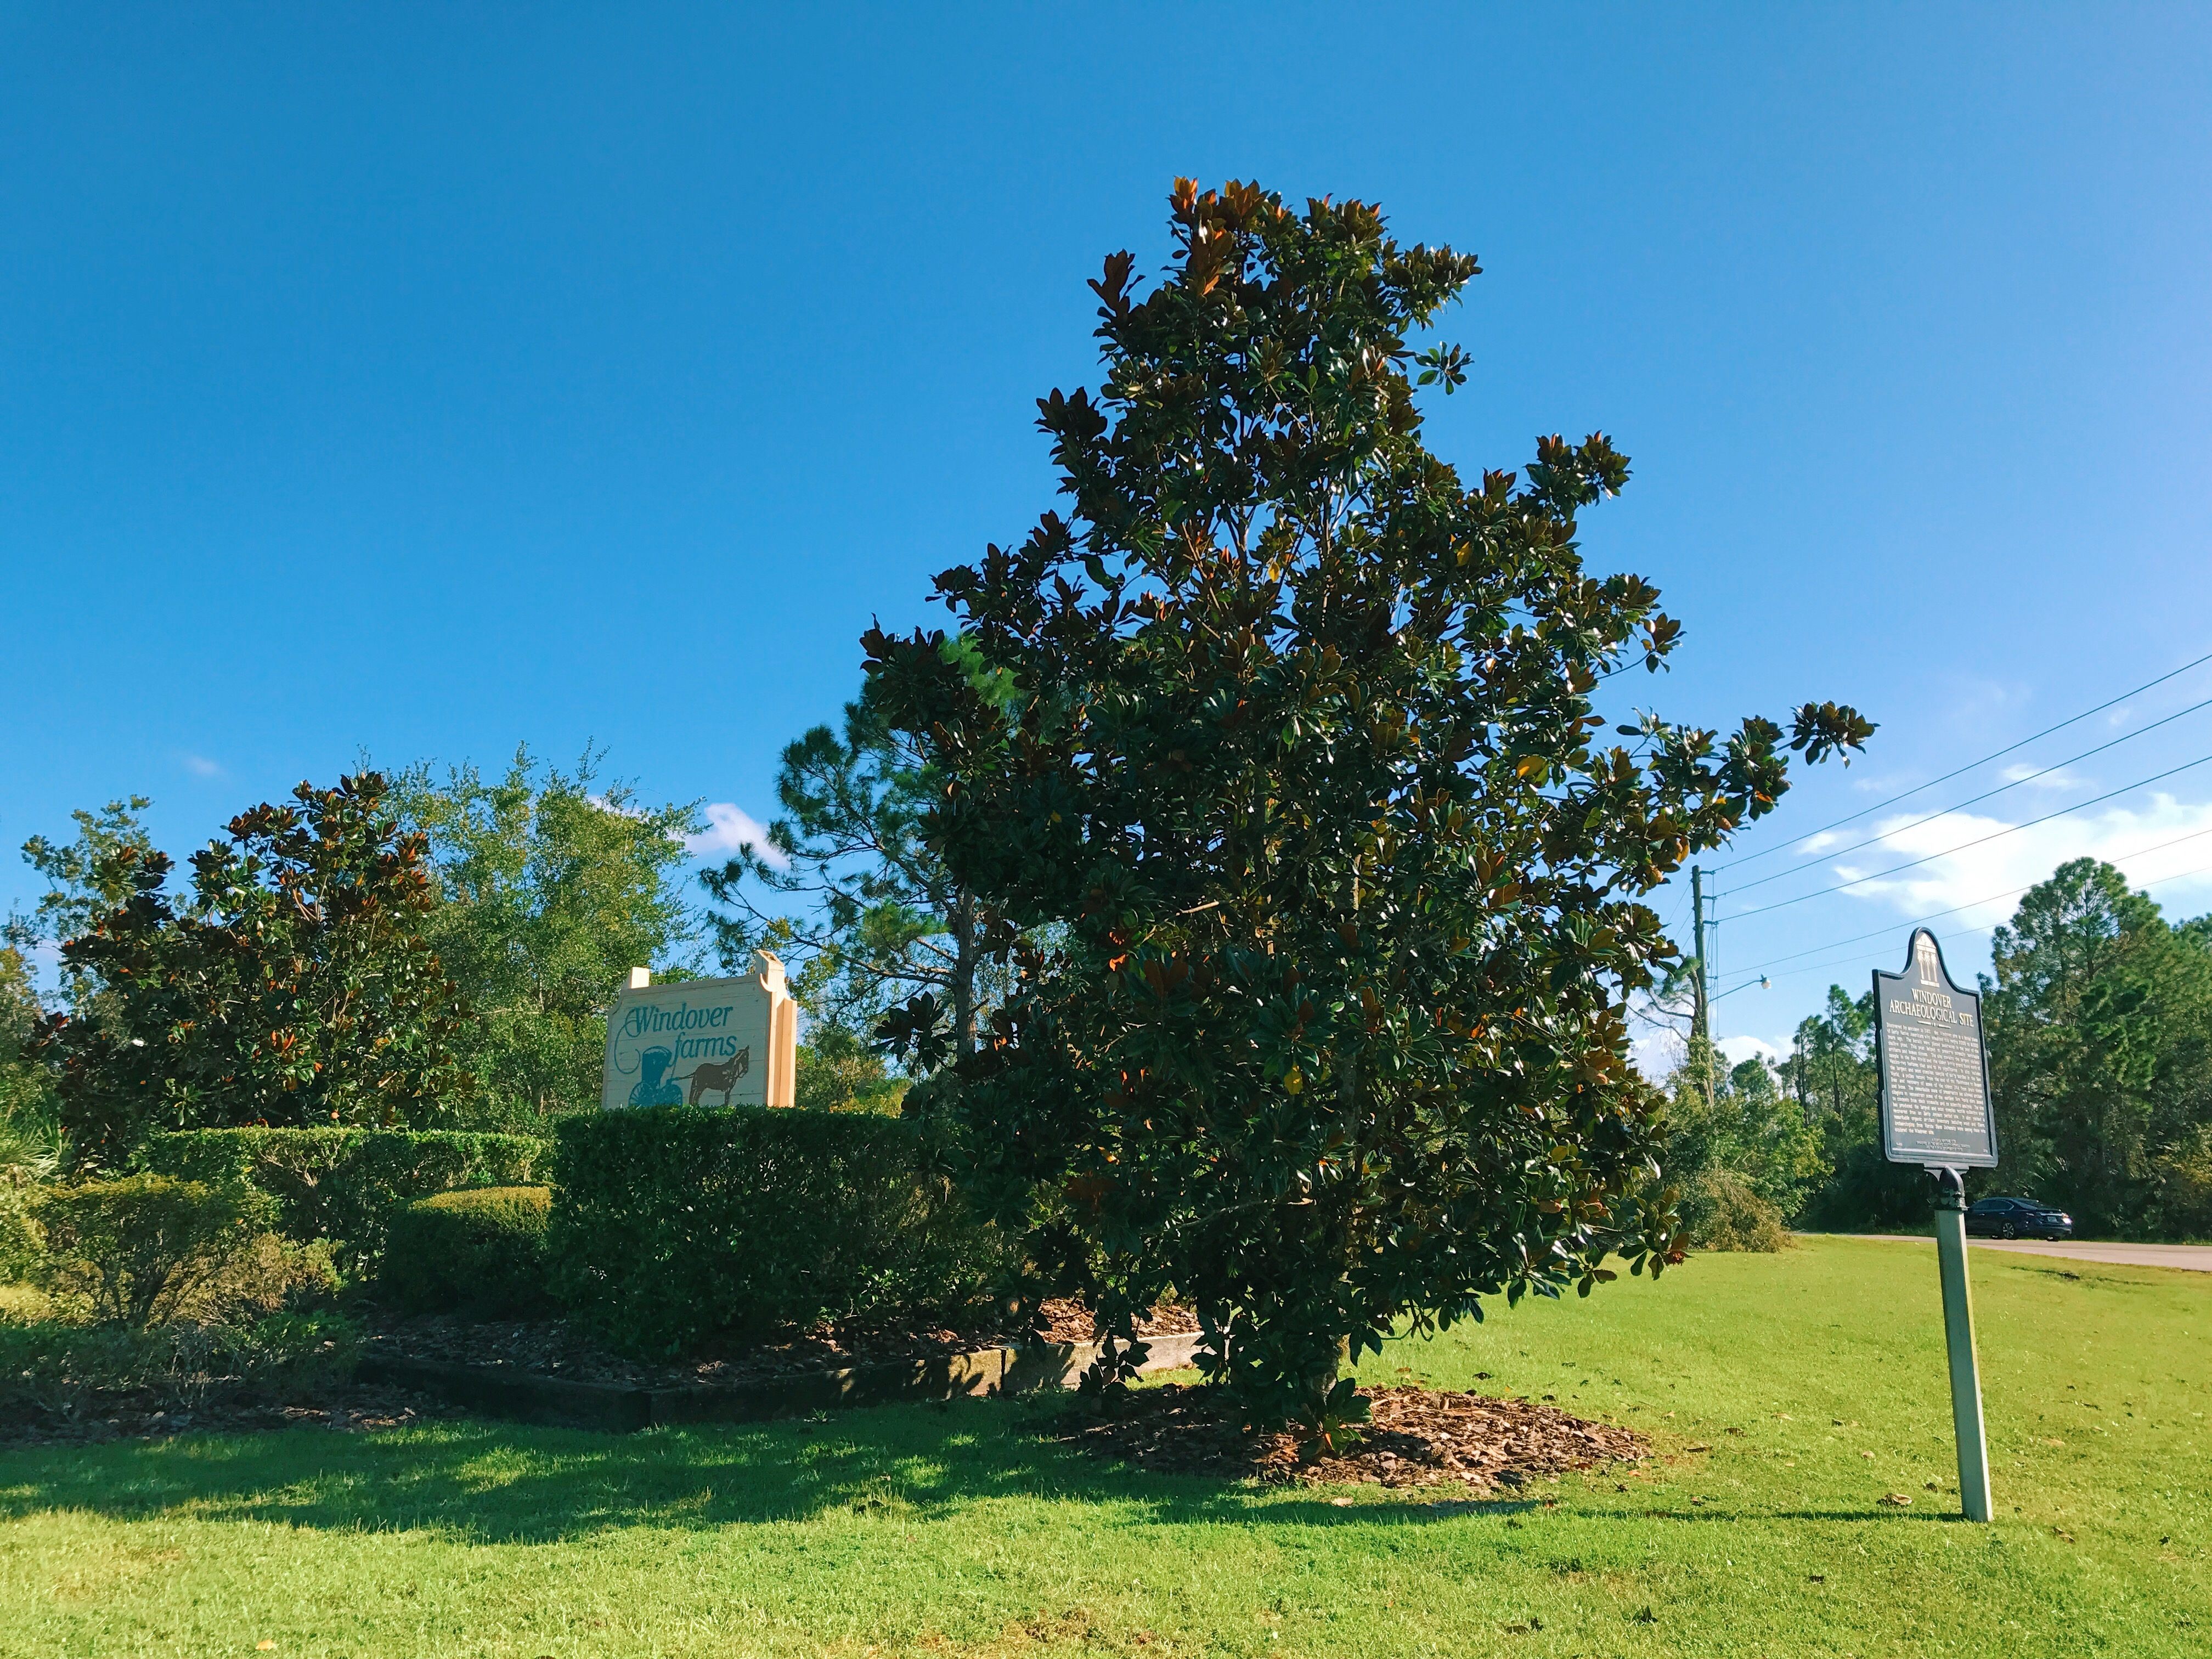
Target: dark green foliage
139, 1249
2098, 1025
673, 1225
1285, 741
343, 1184
480, 1252
1722, 1210
30, 1143
880, 919
27, 1084
294, 988
88, 881
68, 1373
552, 884
2100, 1028
839, 1073
1830, 1073
1739, 1150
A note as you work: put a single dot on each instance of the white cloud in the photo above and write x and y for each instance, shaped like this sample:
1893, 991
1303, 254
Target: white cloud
200, 766
2168, 842
730, 828
2042, 780
1655, 1051
1741, 1048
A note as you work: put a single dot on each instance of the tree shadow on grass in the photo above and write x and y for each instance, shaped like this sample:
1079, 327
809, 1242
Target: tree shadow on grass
504, 1483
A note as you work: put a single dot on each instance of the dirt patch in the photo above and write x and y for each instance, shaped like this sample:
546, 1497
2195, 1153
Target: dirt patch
1418, 1437
551, 1347
546, 1348
354, 1407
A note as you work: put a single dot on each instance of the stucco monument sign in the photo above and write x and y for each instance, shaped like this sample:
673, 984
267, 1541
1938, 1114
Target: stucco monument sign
703, 1042
1935, 1071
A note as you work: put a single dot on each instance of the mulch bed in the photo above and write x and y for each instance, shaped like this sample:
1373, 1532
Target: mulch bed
352, 1408
550, 1347
538, 1348
1416, 1437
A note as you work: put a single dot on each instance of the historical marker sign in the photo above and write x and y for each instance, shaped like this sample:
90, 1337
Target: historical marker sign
703, 1041
1936, 1111
1934, 1068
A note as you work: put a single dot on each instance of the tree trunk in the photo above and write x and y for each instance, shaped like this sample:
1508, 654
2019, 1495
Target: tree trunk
964, 975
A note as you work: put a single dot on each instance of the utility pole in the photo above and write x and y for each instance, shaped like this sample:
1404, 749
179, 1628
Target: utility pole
1701, 1023
1701, 1013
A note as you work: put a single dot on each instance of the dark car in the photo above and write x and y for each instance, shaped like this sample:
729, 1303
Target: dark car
2017, 1217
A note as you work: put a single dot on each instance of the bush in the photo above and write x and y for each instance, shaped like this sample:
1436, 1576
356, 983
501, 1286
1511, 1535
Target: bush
481, 1252
344, 1184
1721, 1210
674, 1224
146, 1248
55, 1369
838, 1072
27, 1162
2181, 1188
291, 1353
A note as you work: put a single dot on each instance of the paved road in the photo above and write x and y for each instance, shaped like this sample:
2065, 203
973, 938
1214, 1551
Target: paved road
2198, 1258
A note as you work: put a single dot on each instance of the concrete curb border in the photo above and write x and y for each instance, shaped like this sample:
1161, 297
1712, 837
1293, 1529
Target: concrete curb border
989, 1372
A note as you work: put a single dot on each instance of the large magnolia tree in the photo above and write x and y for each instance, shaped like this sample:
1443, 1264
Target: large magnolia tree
1285, 737
293, 988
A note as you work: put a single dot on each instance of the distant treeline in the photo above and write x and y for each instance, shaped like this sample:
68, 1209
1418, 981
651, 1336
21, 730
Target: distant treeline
2099, 1021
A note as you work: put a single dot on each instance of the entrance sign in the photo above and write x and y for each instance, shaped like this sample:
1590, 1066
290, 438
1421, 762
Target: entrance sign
1934, 1067
1935, 1071
703, 1041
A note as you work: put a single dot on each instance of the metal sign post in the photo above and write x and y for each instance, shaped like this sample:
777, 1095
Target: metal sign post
1935, 1112
1958, 1340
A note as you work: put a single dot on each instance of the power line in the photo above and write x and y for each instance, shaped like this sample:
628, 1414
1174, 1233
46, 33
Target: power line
1975, 801
1861, 955
1845, 962
1996, 835
1991, 898
1907, 795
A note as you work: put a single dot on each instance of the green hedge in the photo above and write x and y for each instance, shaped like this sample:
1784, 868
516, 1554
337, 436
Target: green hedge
675, 1224
143, 1249
481, 1252
343, 1184
53, 1368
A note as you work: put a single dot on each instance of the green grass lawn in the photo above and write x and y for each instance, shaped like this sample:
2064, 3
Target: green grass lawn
1815, 1379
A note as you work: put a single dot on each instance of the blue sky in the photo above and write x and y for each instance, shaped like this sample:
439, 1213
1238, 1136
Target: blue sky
423, 379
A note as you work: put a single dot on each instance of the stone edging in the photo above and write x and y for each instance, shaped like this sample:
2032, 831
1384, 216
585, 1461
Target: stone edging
522, 1395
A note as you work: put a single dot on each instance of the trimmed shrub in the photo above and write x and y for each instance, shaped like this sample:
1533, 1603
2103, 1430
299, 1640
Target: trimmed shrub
344, 1184
675, 1224
53, 1368
28, 1159
1721, 1210
293, 1353
481, 1252
146, 1248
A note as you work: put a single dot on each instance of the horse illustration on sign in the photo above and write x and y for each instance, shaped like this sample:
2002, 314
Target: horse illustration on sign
707, 1078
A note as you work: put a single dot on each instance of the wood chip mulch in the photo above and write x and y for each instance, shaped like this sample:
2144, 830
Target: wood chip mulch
1416, 1437
352, 1407
551, 1347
